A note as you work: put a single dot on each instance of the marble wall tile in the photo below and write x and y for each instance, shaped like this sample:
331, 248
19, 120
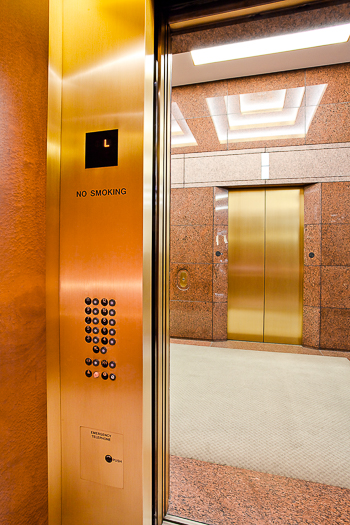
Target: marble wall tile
331, 123
306, 164
202, 128
336, 202
220, 321
271, 143
191, 206
312, 204
220, 246
177, 171
192, 320
335, 286
311, 326
336, 244
338, 79
269, 82
221, 169
220, 283
199, 282
335, 328
220, 206
191, 244
312, 244
312, 281
192, 99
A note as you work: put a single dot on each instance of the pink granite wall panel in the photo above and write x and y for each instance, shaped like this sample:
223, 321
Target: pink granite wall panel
191, 241
335, 269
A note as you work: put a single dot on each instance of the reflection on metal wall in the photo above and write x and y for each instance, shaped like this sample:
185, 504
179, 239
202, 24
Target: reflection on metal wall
105, 249
265, 265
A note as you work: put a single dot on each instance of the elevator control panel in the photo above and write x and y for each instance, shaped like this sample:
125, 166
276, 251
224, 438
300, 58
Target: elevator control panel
100, 335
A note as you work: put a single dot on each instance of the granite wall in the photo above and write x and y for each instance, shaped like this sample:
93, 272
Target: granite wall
199, 228
198, 247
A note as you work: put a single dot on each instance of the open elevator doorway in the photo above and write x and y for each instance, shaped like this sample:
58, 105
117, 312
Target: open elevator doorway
251, 423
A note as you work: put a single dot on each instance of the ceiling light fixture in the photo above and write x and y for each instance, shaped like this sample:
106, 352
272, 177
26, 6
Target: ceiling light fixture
274, 44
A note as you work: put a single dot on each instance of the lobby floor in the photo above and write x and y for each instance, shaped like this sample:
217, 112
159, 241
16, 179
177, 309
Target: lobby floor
263, 347
218, 494
222, 495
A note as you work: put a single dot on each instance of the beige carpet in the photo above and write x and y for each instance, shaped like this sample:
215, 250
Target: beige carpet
283, 414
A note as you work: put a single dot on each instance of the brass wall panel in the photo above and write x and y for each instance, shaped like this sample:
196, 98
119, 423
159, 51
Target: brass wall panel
246, 265
283, 266
105, 251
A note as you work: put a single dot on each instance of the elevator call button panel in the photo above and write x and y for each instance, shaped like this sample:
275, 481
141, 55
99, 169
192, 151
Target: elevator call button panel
100, 334
101, 149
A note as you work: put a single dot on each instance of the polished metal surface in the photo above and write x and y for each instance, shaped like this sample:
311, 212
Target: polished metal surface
265, 265
52, 263
246, 265
284, 266
162, 235
105, 251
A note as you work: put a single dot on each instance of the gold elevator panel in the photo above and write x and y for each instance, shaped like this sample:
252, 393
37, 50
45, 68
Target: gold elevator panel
265, 271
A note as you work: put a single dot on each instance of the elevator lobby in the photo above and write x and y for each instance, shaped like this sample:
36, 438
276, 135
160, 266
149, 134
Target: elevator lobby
221, 269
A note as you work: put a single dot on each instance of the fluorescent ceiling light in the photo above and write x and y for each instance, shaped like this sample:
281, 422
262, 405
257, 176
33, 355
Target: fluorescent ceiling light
292, 122
263, 101
274, 44
286, 116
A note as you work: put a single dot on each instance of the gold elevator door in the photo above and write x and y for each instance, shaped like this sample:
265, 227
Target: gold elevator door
265, 265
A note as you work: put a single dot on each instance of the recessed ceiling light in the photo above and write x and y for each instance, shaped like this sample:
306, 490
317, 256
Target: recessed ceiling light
274, 44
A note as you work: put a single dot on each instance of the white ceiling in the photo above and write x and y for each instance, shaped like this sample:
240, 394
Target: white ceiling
185, 72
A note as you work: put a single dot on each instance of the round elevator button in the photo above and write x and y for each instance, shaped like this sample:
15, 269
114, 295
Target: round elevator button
87, 320
88, 310
112, 331
96, 362
96, 375
95, 301
104, 363
87, 300
88, 329
104, 340
104, 311
95, 320
112, 341
112, 364
88, 361
104, 302
103, 350
88, 373
95, 311
104, 321
108, 458
104, 331
112, 322
88, 338
95, 330
95, 339
104, 375
96, 349
112, 377
112, 302
112, 312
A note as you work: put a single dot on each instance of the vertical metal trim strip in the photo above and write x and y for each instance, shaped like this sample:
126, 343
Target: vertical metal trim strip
53, 261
